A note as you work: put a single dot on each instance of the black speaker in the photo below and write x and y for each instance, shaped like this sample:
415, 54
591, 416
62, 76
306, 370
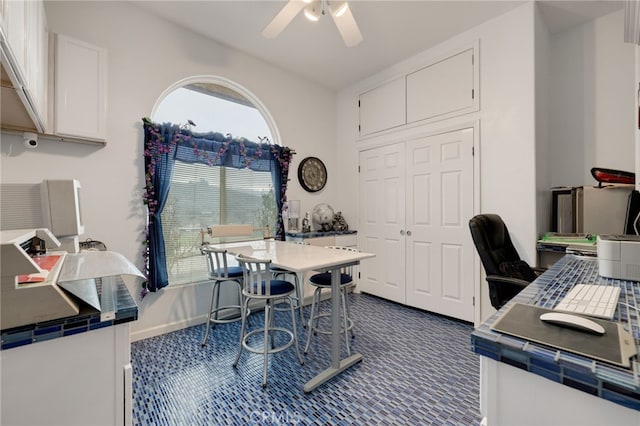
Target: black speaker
632, 222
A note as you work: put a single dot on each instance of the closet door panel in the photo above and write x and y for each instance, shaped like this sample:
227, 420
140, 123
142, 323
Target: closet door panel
439, 204
452, 284
421, 270
381, 223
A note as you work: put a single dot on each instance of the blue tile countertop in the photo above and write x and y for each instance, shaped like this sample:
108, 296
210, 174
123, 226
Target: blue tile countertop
316, 234
613, 383
126, 310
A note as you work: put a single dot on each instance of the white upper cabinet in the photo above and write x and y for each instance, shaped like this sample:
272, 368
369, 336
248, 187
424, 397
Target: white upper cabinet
383, 107
23, 38
80, 89
74, 104
443, 89
15, 31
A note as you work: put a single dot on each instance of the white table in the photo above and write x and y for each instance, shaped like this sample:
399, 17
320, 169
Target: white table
302, 258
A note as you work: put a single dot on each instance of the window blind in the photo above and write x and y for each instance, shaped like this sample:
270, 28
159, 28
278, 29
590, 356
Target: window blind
201, 196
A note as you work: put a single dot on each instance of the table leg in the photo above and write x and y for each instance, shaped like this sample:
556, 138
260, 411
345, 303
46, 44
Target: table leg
337, 365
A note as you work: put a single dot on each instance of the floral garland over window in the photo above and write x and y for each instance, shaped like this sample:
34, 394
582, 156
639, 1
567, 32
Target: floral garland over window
166, 143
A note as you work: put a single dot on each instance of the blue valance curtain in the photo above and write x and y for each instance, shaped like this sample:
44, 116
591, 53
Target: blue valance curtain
166, 143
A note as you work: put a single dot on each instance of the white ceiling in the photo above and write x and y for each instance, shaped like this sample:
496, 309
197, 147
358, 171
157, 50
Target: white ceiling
392, 30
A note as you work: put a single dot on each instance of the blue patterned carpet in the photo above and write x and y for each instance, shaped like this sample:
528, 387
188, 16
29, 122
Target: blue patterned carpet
417, 369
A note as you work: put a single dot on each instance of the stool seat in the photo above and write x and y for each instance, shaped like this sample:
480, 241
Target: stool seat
257, 284
322, 281
232, 272
221, 273
278, 288
299, 297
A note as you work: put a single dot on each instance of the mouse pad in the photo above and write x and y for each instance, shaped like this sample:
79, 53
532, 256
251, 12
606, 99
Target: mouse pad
615, 346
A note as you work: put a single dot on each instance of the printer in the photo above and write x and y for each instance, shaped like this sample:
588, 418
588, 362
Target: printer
29, 290
41, 283
619, 256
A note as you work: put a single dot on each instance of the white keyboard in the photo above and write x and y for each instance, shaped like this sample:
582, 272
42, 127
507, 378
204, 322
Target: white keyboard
593, 300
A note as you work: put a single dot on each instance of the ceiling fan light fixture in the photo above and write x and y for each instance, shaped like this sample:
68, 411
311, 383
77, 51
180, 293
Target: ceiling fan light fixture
311, 13
313, 10
340, 9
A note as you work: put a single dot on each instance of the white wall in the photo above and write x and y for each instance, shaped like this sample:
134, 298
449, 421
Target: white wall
146, 56
591, 105
637, 107
543, 145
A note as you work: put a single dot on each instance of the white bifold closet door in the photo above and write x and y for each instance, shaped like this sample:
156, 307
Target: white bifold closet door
416, 199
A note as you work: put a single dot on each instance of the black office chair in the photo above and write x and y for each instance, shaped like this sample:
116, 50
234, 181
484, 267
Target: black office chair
507, 274
632, 221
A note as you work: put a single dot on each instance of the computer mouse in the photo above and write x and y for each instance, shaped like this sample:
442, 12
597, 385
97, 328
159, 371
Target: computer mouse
575, 322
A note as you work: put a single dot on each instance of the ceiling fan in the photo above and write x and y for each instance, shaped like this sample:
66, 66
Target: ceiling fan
313, 10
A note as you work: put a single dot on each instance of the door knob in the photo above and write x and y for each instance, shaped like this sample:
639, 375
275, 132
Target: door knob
408, 233
402, 232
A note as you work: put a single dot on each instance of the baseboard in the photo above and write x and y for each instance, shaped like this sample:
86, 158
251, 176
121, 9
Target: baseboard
166, 328
190, 322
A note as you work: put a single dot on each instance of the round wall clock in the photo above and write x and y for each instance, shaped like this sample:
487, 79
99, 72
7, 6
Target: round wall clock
312, 174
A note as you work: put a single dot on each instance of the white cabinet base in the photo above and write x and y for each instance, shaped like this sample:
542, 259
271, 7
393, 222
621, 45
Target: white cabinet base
73, 380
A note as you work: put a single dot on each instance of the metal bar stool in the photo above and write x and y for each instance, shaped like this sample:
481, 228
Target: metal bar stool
258, 285
220, 272
322, 281
299, 297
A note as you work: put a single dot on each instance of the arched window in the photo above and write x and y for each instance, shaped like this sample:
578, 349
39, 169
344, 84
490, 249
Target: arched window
201, 195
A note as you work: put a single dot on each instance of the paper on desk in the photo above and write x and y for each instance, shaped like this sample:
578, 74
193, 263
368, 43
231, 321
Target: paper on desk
45, 263
94, 264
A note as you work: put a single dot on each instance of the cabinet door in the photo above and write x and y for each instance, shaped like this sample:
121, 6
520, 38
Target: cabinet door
349, 240
381, 221
37, 60
321, 241
439, 181
15, 31
24, 70
4, 4
383, 107
67, 376
443, 89
80, 89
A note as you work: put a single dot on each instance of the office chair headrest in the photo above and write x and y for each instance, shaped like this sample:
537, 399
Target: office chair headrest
492, 229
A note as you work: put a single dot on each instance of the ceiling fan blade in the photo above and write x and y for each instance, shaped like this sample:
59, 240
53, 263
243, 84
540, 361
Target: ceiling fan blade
283, 18
348, 28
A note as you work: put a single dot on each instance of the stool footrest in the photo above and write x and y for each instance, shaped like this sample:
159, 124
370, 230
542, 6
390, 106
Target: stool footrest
317, 329
270, 350
225, 320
